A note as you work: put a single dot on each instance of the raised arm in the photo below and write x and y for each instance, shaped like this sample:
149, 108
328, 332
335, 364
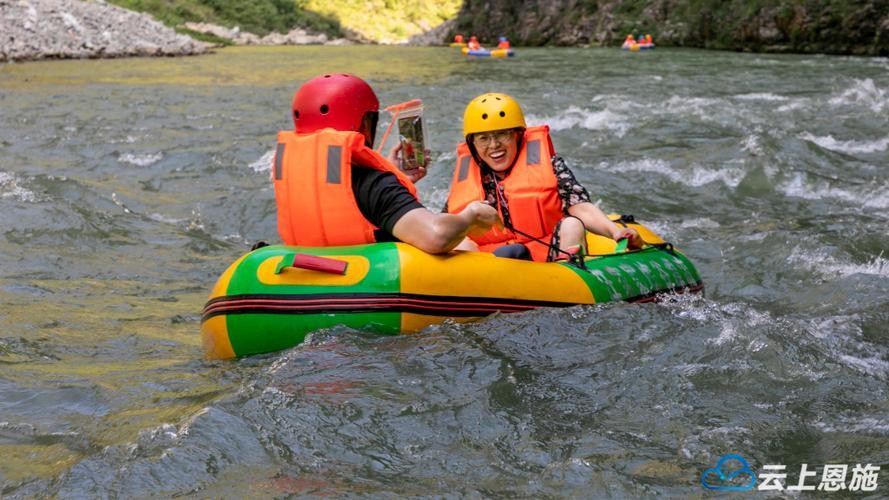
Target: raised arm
440, 232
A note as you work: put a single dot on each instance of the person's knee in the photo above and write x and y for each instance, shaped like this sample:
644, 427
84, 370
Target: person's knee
571, 229
513, 251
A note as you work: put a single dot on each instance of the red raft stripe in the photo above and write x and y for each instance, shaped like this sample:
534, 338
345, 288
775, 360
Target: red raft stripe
436, 305
305, 304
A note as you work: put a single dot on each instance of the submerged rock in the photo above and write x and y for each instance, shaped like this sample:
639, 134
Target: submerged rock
75, 29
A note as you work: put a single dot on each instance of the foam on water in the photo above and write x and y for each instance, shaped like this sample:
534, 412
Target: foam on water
752, 145
448, 156
761, 96
850, 147
140, 160
264, 163
872, 365
10, 187
793, 105
434, 198
164, 219
862, 93
701, 107
855, 425
831, 267
869, 195
585, 119
699, 223
697, 177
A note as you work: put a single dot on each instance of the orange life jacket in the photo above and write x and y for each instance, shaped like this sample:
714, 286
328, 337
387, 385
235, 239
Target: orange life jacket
531, 190
313, 187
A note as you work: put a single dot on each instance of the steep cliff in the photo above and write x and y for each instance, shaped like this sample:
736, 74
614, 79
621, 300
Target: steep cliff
822, 26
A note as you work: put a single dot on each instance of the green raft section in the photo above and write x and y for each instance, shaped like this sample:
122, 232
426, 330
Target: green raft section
262, 326
262, 304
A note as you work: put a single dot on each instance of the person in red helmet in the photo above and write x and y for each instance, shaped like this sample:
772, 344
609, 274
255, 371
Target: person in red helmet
473, 43
333, 189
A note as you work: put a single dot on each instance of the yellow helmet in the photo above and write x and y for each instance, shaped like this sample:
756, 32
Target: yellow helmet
492, 111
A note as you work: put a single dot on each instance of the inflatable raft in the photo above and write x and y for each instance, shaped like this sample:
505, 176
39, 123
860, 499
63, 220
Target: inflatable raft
272, 297
488, 53
636, 47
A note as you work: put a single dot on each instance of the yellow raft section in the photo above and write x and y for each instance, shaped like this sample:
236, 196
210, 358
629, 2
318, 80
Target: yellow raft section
476, 274
486, 52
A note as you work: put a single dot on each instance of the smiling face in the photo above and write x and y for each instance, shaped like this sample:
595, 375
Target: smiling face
498, 149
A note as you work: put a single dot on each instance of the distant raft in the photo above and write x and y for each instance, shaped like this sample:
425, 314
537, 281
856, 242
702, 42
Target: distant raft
636, 47
488, 53
272, 297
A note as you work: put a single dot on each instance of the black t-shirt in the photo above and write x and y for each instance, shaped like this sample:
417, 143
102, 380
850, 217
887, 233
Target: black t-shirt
381, 199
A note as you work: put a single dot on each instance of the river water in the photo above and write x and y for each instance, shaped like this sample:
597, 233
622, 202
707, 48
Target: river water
127, 186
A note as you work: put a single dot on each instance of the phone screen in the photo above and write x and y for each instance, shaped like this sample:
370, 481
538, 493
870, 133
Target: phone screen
413, 150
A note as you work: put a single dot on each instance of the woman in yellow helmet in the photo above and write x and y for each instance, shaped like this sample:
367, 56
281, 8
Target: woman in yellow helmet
514, 168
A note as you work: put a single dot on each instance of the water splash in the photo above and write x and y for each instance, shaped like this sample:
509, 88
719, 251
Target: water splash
196, 223
585, 119
850, 147
140, 160
10, 187
862, 93
264, 163
870, 195
761, 96
697, 177
830, 267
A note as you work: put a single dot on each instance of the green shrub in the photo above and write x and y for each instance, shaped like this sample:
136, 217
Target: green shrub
256, 16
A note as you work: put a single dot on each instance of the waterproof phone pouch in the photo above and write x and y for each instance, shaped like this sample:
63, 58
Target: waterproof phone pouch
411, 133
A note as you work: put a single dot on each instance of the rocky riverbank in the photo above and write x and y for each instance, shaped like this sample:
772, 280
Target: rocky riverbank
76, 29
69, 29
297, 36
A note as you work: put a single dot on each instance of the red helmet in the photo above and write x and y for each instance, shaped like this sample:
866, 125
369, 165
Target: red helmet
341, 102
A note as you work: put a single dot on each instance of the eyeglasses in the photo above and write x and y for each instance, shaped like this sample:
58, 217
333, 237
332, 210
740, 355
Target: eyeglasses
500, 136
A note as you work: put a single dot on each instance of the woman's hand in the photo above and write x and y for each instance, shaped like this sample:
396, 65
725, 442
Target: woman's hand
414, 174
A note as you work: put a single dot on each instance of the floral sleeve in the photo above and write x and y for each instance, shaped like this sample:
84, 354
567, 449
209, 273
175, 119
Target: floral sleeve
570, 191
